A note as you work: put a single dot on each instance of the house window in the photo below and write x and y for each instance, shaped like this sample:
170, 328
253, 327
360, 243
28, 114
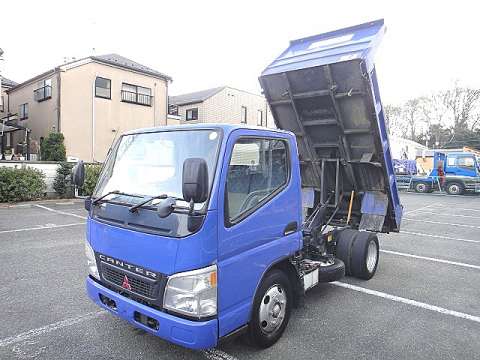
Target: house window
103, 88
243, 120
136, 94
191, 114
2, 106
23, 111
259, 118
43, 90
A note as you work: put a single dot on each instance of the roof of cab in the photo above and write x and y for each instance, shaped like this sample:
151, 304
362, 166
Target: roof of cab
226, 128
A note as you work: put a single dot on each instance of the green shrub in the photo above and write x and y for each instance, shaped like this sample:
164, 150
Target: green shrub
21, 184
92, 172
62, 183
52, 148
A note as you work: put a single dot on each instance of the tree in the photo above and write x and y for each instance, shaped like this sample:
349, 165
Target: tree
462, 105
62, 184
393, 118
447, 118
53, 148
412, 114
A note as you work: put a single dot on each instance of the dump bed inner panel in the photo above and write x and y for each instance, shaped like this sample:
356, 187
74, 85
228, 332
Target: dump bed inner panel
325, 92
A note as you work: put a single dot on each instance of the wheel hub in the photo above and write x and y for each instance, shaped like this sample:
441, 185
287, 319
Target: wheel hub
372, 255
272, 309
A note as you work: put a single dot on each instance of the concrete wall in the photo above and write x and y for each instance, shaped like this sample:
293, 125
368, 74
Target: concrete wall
110, 116
226, 107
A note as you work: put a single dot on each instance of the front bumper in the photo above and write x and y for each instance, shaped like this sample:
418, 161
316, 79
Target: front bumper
190, 334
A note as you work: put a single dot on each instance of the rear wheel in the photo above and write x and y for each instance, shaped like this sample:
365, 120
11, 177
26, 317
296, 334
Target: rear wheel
271, 309
365, 253
421, 187
454, 188
359, 250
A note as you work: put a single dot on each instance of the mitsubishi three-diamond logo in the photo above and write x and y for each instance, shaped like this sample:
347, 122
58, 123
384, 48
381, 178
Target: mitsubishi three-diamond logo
126, 283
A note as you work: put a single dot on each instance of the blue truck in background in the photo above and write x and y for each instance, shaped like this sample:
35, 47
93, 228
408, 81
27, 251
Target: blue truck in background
455, 172
197, 233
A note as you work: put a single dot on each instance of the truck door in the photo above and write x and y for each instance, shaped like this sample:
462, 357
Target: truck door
261, 207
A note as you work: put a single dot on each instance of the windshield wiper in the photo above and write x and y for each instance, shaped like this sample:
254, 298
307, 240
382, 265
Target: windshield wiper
114, 192
139, 205
97, 200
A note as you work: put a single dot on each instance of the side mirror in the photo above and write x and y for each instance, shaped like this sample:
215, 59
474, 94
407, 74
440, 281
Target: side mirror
195, 180
88, 203
79, 174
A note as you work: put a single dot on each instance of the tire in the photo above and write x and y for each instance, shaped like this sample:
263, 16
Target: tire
421, 187
269, 316
345, 240
334, 272
454, 188
352, 249
365, 254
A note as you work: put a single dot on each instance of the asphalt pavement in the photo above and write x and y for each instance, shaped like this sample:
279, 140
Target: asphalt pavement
423, 303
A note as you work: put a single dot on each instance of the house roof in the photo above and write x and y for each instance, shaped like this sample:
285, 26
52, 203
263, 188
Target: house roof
194, 97
109, 59
7, 82
118, 60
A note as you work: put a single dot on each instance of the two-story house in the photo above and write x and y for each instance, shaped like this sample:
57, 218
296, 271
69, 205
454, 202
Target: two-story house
221, 105
91, 101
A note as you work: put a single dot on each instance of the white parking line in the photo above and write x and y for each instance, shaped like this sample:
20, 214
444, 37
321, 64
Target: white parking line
407, 301
49, 328
450, 215
431, 259
41, 227
435, 236
419, 209
467, 209
60, 212
442, 223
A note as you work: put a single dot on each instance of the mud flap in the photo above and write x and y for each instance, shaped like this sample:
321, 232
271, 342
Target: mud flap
374, 210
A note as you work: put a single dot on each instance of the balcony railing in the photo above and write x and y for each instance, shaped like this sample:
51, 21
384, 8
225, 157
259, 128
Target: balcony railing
136, 98
43, 93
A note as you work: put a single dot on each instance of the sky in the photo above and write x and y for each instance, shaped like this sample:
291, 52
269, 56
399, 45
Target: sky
203, 44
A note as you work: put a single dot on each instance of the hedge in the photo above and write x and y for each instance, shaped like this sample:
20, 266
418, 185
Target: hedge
21, 184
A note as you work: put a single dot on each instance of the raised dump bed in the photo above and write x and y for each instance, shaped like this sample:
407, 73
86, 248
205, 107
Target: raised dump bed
324, 89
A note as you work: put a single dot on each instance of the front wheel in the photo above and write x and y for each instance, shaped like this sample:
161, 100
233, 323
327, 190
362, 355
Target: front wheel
271, 309
454, 188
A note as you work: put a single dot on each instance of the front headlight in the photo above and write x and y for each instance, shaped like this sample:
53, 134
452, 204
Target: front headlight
192, 293
91, 262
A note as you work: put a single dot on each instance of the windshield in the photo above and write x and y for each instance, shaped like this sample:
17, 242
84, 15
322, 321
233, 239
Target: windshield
150, 164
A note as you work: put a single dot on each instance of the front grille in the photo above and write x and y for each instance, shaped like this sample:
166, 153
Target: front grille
140, 287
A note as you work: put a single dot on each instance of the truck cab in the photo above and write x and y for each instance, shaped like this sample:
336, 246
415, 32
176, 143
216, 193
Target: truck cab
246, 220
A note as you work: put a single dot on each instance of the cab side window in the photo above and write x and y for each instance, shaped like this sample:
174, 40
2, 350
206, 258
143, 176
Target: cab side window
466, 162
258, 169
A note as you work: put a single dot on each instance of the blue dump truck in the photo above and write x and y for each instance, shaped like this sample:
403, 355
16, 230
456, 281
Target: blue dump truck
200, 232
454, 172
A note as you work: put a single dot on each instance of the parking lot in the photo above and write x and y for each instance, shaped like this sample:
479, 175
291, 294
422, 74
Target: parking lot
424, 301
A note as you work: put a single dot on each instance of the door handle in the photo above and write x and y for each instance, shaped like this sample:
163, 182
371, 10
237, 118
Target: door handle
290, 228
